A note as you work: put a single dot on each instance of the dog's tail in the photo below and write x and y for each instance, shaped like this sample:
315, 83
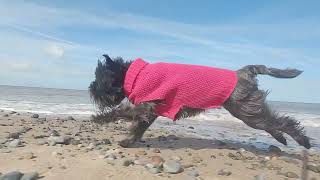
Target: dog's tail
278, 73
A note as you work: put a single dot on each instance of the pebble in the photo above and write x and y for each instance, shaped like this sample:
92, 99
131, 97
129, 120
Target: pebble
30, 176
52, 140
28, 155
237, 156
106, 141
13, 135
14, 175
15, 143
224, 172
176, 158
156, 161
141, 161
274, 149
41, 142
152, 169
126, 162
172, 167
156, 150
140, 153
314, 168
54, 133
35, 116
196, 159
291, 175
70, 118
111, 157
193, 173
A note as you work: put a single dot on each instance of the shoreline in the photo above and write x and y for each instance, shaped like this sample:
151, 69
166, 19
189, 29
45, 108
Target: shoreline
93, 153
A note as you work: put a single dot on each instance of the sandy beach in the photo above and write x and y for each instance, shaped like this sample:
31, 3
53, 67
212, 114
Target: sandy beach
67, 148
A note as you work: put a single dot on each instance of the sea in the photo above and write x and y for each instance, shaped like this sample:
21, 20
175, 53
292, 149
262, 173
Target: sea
213, 124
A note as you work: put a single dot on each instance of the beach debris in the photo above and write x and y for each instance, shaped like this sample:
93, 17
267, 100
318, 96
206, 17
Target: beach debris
30, 176
314, 168
274, 149
224, 172
15, 143
54, 133
13, 175
70, 118
190, 127
197, 159
6, 115
172, 167
152, 169
157, 161
193, 173
13, 112
13, 135
291, 175
53, 140
156, 150
141, 161
140, 153
126, 162
236, 156
35, 116
28, 155
176, 158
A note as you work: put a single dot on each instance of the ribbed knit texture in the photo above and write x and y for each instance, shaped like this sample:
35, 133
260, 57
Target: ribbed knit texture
178, 86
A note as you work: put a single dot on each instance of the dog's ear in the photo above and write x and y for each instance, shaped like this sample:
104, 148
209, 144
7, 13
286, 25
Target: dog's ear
108, 60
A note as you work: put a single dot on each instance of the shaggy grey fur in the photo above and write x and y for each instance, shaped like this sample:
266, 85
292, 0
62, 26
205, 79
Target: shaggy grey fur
246, 103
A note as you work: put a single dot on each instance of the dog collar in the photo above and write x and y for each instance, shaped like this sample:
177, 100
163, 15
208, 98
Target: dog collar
132, 73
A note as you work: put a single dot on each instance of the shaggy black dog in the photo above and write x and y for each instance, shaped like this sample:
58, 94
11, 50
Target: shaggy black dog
247, 102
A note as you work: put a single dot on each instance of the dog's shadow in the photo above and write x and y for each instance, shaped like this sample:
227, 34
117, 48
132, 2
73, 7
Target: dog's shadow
174, 143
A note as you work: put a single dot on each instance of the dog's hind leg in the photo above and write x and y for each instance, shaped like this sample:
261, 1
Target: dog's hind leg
254, 112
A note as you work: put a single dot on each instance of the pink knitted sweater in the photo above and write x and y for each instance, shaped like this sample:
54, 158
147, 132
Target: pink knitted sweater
178, 86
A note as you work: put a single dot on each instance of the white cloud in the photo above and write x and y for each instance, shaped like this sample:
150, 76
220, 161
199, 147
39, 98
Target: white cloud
55, 50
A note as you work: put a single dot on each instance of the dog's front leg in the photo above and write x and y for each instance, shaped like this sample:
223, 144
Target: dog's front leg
137, 130
142, 117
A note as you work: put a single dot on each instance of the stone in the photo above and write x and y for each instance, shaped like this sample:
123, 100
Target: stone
224, 172
15, 143
13, 135
156, 150
140, 161
152, 169
190, 127
6, 115
14, 175
30, 176
196, 159
35, 116
236, 156
28, 155
291, 175
156, 161
274, 149
172, 167
126, 162
259, 177
75, 142
41, 142
176, 158
313, 168
70, 118
54, 133
52, 140
172, 137
140, 153
220, 143
105, 141
193, 173
111, 157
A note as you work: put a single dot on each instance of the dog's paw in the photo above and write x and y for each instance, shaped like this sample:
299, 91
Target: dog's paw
126, 143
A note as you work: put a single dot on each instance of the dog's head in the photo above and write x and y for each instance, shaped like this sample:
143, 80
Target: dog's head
107, 89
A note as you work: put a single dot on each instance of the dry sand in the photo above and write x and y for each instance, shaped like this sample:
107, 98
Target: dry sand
89, 155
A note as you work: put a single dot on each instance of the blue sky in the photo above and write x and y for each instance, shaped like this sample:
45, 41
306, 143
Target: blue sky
57, 43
